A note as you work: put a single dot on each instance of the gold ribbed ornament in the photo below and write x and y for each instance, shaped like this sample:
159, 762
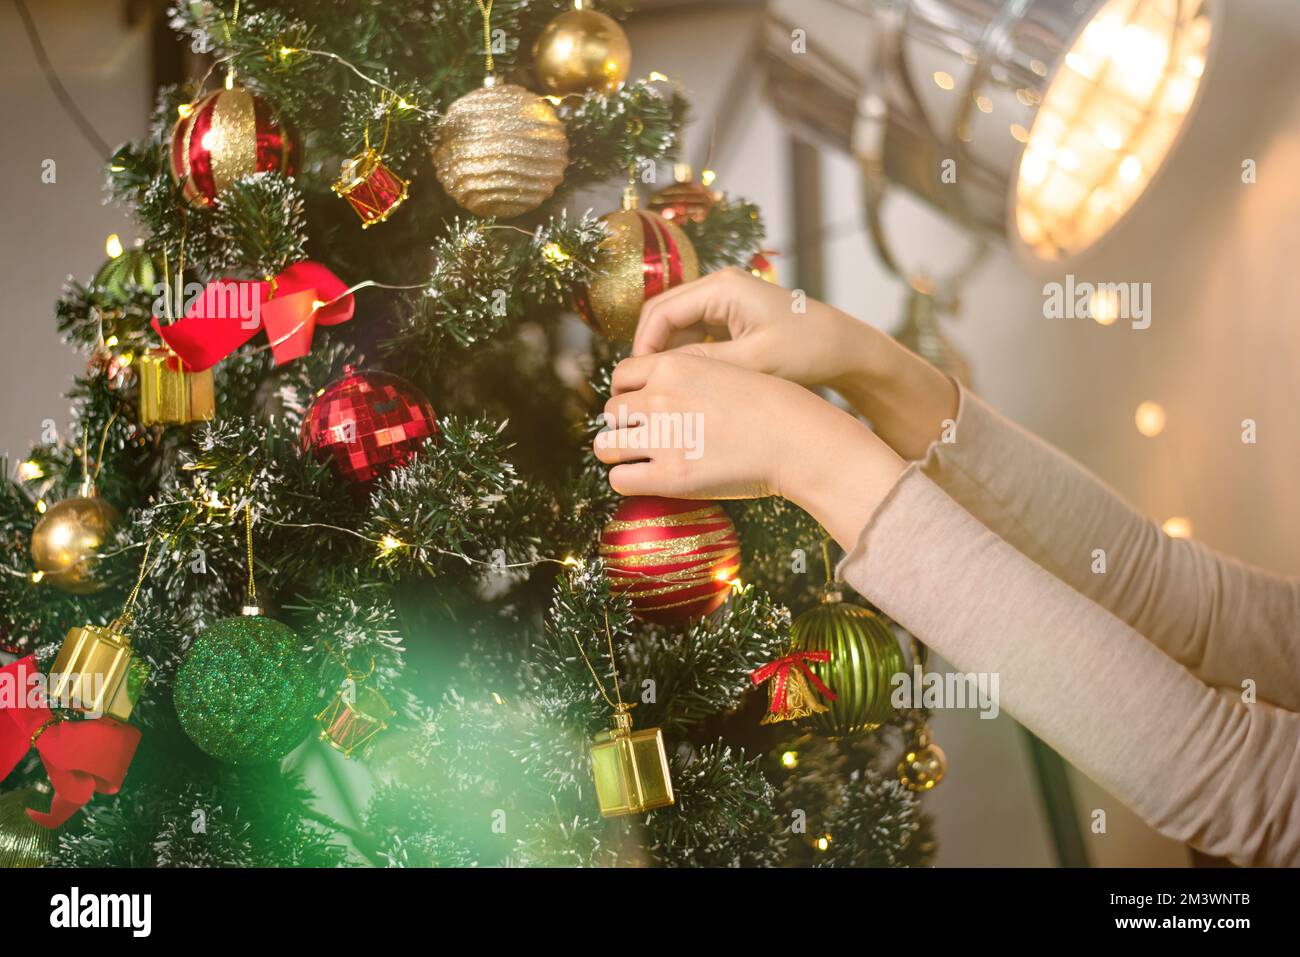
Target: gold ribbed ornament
865, 656
23, 842
502, 151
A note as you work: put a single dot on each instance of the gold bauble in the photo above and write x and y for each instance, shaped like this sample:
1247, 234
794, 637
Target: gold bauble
68, 537
581, 51
643, 256
23, 842
923, 765
502, 151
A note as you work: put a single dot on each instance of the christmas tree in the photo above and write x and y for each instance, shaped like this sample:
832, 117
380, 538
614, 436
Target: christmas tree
328, 491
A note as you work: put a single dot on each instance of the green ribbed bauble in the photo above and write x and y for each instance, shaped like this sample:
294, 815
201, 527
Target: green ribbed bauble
132, 267
244, 693
865, 656
23, 842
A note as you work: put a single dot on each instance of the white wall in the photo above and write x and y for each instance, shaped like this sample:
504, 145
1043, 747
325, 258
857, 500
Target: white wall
51, 230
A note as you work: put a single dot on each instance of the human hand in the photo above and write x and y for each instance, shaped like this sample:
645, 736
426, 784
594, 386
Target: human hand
756, 326
687, 426
761, 327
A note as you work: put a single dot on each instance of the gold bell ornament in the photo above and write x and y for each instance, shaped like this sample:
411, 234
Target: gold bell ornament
630, 767
788, 696
581, 51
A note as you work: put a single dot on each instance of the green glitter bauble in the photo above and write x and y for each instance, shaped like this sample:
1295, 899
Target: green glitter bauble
243, 692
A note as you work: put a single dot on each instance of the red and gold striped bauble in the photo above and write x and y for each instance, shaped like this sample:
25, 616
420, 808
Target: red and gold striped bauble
675, 559
643, 256
224, 136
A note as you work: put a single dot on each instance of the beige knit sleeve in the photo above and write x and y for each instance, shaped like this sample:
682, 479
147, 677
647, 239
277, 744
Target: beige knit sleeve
1199, 766
1224, 620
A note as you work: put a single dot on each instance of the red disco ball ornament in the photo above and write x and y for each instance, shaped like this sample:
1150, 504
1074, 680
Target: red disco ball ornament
367, 424
226, 135
676, 560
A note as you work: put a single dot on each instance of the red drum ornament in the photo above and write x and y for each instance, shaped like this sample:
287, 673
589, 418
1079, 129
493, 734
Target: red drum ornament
676, 560
370, 187
350, 723
643, 256
226, 135
367, 424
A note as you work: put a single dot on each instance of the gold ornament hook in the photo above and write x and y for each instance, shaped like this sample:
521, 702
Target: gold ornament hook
485, 8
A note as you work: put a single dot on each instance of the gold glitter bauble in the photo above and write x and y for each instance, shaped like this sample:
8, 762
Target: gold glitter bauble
68, 537
923, 765
580, 51
501, 151
643, 256
23, 842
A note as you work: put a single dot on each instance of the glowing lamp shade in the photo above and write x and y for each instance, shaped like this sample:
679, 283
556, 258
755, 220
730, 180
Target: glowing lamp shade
1040, 122
1110, 115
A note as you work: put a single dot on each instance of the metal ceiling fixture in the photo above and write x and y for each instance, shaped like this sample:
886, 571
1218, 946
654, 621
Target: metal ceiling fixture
1040, 121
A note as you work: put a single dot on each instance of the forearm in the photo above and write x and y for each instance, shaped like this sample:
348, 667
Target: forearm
838, 472
1121, 711
906, 399
1223, 620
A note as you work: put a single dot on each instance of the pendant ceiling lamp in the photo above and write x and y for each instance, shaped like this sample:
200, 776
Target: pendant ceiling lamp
1039, 121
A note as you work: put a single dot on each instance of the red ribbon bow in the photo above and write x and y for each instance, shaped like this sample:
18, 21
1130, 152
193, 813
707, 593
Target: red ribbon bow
781, 670
80, 757
231, 311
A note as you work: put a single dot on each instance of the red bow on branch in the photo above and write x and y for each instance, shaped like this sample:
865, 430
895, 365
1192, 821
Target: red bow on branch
231, 311
780, 669
80, 757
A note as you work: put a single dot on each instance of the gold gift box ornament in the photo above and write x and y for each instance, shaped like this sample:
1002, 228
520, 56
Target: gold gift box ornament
170, 394
96, 673
631, 768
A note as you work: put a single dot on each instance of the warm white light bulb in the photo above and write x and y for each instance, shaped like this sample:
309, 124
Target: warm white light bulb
1125, 87
1150, 418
